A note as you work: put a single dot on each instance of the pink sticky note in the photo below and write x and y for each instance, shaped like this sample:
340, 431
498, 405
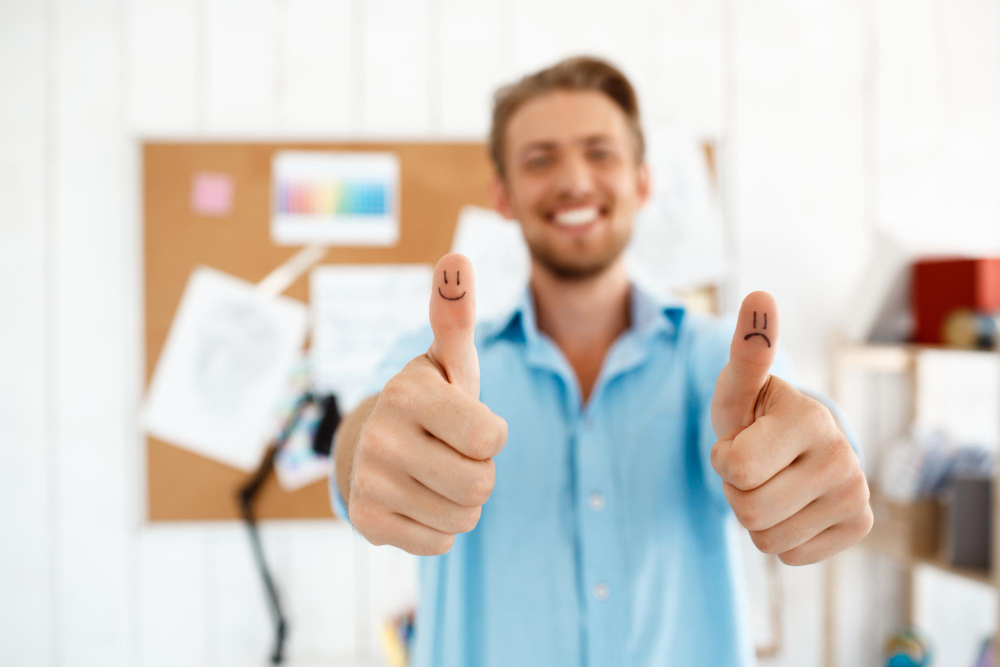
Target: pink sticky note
212, 194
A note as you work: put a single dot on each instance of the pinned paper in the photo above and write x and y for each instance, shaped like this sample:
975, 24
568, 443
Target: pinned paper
223, 368
334, 198
678, 242
496, 248
212, 194
359, 312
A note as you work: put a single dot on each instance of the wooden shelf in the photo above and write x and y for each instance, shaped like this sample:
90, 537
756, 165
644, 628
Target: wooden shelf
878, 542
894, 357
886, 538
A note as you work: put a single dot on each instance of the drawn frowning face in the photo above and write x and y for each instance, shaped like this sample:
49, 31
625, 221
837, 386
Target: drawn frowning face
758, 333
457, 282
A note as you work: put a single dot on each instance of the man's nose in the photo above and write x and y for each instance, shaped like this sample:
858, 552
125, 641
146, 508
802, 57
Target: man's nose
575, 179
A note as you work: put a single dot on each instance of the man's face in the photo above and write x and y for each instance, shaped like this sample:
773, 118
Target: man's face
572, 180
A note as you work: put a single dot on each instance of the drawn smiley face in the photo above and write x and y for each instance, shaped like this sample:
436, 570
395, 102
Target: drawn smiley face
758, 333
458, 282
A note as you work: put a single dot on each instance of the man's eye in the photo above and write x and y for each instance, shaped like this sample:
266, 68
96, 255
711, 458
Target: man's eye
538, 162
599, 155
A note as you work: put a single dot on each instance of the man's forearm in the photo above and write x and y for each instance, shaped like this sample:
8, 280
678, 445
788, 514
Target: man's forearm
346, 443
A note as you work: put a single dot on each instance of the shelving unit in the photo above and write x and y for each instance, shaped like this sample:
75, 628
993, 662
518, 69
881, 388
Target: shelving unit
901, 359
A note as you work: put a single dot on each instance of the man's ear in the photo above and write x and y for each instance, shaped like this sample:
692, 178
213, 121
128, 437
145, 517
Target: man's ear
643, 184
498, 196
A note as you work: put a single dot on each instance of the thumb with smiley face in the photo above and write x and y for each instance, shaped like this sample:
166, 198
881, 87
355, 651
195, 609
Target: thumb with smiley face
453, 320
423, 467
788, 471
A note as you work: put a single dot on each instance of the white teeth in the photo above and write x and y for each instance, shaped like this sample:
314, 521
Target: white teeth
577, 216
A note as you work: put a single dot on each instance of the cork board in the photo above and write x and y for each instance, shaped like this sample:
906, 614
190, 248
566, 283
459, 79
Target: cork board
436, 181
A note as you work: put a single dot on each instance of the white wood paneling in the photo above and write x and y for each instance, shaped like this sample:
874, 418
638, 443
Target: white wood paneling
241, 88
317, 67
544, 33
242, 631
320, 590
164, 75
25, 491
955, 614
798, 158
93, 569
394, 86
687, 86
473, 61
909, 101
937, 101
174, 619
391, 576
972, 113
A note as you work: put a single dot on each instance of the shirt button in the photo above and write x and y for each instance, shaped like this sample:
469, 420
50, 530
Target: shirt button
601, 591
596, 501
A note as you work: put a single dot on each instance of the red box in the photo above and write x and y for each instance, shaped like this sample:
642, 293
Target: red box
942, 285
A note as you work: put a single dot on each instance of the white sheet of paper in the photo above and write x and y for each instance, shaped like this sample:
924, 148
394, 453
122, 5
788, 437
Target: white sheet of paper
359, 311
334, 197
678, 238
223, 369
496, 248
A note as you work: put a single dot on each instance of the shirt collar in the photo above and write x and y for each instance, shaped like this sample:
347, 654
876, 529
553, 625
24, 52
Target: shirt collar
649, 314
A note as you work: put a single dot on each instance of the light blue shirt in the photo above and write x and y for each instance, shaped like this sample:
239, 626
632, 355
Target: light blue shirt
607, 540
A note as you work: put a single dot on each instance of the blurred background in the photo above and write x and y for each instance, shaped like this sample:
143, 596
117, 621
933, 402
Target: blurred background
828, 152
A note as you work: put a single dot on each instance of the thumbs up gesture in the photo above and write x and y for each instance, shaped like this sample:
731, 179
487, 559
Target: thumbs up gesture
423, 467
787, 469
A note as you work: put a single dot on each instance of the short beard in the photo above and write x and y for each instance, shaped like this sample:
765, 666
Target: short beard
576, 271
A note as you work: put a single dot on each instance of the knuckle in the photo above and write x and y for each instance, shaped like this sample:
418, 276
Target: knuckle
793, 558
749, 515
500, 437
487, 435
819, 415
373, 439
357, 513
480, 486
859, 484
741, 471
839, 461
399, 392
866, 522
483, 440
869, 522
393, 390
765, 541
440, 544
470, 519
364, 519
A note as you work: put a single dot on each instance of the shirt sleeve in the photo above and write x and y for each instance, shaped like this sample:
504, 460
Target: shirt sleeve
405, 349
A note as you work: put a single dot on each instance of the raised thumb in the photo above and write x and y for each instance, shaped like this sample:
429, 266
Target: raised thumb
453, 320
738, 386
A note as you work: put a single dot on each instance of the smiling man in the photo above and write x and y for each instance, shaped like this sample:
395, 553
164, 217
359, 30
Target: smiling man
618, 441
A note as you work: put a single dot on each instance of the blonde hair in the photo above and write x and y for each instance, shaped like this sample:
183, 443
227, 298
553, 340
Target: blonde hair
578, 73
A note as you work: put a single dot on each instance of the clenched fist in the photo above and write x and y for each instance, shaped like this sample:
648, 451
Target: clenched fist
788, 470
423, 466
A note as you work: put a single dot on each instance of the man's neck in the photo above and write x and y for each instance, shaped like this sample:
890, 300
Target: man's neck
583, 316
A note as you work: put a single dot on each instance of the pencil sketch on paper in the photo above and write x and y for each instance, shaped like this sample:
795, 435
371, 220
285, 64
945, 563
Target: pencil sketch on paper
221, 374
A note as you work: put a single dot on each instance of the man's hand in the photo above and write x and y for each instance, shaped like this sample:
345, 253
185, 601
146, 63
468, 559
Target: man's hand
788, 471
423, 467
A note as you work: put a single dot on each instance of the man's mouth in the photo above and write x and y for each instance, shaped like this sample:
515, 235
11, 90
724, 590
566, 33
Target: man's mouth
578, 216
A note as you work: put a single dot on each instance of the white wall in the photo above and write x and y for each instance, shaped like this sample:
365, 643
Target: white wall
836, 120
